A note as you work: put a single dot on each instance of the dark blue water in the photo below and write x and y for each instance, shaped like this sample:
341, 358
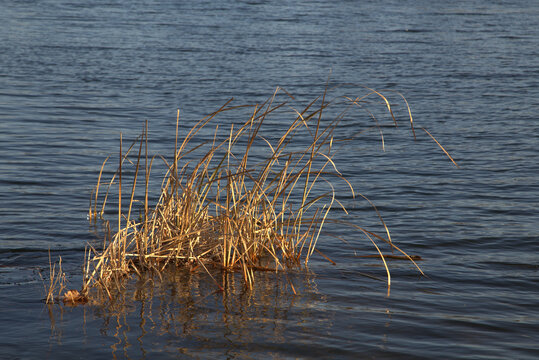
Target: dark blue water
73, 75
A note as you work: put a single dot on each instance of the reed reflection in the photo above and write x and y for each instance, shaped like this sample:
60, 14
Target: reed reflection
178, 311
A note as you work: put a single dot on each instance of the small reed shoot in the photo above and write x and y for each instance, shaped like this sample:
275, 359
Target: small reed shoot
243, 201
56, 282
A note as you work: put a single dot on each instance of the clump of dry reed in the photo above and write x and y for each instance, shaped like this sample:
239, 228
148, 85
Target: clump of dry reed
229, 209
56, 282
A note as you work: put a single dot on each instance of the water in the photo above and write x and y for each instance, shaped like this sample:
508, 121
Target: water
74, 75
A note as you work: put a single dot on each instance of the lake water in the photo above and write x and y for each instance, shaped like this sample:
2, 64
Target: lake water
73, 75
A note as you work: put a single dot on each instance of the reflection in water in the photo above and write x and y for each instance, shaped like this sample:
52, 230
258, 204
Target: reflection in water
183, 312
55, 332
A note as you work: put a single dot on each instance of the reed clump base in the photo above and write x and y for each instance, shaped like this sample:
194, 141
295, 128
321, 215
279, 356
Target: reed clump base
243, 201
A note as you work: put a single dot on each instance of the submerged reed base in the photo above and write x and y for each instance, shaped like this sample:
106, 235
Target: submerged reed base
228, 207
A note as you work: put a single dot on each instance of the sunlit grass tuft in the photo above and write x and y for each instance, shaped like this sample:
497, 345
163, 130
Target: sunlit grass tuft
228, 208
56, 282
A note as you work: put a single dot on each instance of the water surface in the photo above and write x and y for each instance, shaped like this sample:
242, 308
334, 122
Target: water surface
74, 75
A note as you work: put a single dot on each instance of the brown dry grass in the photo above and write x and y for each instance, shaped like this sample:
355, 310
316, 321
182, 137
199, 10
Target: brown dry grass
227, 209
56, 282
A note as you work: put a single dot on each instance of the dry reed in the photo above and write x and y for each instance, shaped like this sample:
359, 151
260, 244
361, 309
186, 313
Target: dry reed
229, 209
56, 281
